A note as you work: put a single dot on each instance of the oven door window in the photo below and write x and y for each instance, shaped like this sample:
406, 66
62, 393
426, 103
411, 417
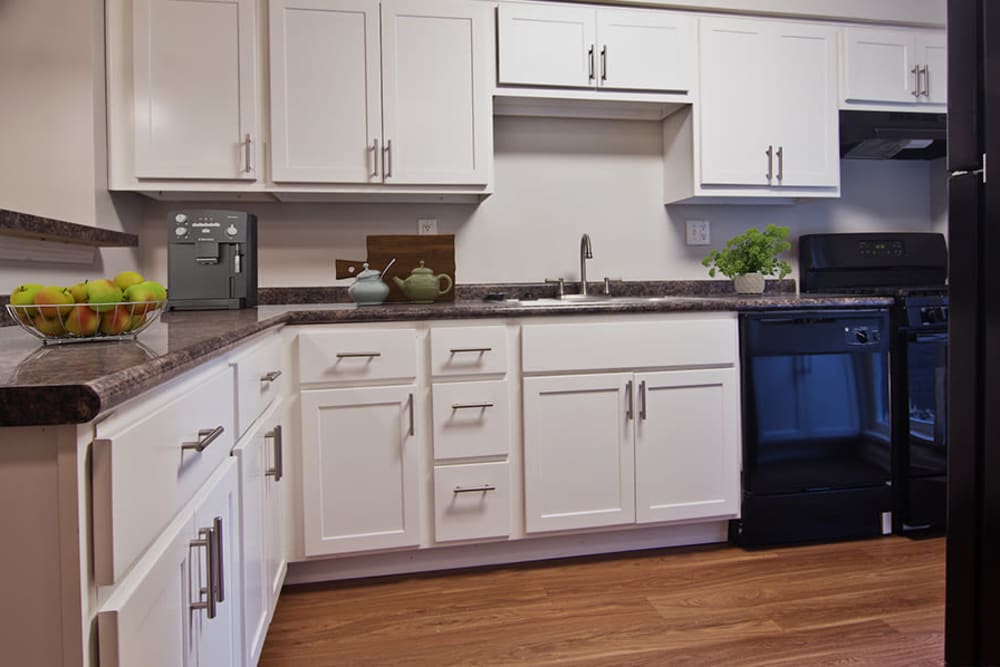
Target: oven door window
927, 388
821, 421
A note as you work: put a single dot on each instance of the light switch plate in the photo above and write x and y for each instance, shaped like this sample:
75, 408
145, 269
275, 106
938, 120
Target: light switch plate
427, 226
698, 232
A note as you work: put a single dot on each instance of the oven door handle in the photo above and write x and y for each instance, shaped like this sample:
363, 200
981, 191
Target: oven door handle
941, 337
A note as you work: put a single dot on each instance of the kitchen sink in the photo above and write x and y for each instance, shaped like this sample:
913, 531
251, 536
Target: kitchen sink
588, 299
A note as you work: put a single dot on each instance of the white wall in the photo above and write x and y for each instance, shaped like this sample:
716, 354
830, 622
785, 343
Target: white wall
555, 179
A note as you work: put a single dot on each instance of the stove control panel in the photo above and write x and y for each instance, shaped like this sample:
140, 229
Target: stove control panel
862, 335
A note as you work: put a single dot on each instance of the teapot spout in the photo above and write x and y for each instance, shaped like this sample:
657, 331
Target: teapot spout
398, 282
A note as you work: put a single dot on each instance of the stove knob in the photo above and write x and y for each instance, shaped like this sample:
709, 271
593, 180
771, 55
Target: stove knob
861, 335
932, 315
180, 217
181, 231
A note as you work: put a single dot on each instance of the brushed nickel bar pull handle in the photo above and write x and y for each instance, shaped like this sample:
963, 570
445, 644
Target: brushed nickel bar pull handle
642, 400
206, 595
915, 71
270, 376
411, 415
781, 162
374, 151
590, 57
205, 438
278, 471
604, 63
387, 159
247, 154
926, 90
218, 564
457, 350
770, 162
471, 406
354, 355
474, 489
628, 400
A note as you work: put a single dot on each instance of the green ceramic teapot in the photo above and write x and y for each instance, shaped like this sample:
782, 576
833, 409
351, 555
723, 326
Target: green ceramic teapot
422, 286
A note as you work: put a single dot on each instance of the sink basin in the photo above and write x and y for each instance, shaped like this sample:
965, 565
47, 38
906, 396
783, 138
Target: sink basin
571, 299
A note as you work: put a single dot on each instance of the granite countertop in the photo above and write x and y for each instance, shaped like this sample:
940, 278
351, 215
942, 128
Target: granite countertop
74, 383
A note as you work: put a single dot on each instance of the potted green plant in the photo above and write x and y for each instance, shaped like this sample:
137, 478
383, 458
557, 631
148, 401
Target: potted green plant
749, 257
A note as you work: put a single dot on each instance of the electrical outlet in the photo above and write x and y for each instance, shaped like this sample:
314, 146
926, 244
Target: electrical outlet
427, 226
698, 232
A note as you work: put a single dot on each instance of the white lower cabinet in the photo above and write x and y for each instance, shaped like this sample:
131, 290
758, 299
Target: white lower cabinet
263, 492
180, 605
619, 448
360, 455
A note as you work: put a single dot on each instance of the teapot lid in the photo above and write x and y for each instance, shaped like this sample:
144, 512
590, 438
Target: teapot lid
421, 269
368, 274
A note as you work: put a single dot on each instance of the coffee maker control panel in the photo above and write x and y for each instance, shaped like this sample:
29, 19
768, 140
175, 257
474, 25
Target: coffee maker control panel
217, 226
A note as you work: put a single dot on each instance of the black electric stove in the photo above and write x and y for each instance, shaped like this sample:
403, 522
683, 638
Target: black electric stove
912, 269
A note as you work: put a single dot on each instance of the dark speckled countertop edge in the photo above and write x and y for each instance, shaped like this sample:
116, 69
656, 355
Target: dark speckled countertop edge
26, 225
81, 403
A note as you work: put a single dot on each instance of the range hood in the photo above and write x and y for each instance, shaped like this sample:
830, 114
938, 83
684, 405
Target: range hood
892, 135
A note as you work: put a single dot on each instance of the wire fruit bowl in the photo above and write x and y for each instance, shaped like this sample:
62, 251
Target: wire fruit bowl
85, 322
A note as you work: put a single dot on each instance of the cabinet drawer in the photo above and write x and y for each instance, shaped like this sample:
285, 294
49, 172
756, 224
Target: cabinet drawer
145, 469
471, 419
357, 354
260, 376
618, 345
468, 350
471, 501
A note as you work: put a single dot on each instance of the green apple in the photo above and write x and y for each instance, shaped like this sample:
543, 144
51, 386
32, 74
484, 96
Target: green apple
50, 326
24, 295
79, 292
126, 279
52, 301
148, 291
102, 292
116, 321
83, 321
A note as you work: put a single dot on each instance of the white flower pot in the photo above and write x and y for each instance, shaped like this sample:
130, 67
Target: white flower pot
749, 283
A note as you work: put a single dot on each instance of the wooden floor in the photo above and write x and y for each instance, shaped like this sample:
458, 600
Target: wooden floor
870, 602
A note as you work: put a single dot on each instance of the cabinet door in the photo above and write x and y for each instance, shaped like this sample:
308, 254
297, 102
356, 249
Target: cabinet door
277, 490
146, 620
220, 639
932, 52
360, 456
805, 120
687, 445
578, 452
326, 100
437, 104
735, 89
250, 455
645, 50
546, 45
194, 89
879, 66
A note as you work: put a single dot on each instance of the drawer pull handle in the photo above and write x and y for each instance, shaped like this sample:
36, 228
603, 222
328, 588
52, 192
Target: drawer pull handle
270, 376
480, 350
279, 462
205, 438
471, 406
474, 489
207, 596
355, 355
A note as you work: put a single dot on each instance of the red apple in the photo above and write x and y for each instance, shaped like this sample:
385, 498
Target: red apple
48, 326
83, 321
51, 301
114, 322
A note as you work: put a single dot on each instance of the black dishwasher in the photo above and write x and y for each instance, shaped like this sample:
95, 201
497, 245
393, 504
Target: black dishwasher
817, 435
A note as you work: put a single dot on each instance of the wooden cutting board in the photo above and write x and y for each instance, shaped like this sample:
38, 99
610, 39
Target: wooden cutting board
436, 250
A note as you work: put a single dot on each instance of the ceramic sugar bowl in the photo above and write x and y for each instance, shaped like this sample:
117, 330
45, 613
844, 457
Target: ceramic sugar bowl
422, 286
368, 288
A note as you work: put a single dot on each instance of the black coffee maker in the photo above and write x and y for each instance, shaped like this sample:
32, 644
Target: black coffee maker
211, 260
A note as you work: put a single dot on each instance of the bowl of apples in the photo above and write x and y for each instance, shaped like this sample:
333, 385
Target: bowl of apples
91, 310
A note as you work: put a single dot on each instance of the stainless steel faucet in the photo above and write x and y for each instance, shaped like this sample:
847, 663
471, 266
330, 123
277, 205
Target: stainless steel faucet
585, 254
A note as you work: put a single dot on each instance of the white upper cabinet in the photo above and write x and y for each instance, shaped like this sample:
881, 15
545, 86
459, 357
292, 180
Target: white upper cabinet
766, 122
194, 91
585, 47
392, 92
892, 67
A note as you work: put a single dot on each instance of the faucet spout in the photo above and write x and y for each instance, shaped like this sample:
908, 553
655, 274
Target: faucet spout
585, 253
